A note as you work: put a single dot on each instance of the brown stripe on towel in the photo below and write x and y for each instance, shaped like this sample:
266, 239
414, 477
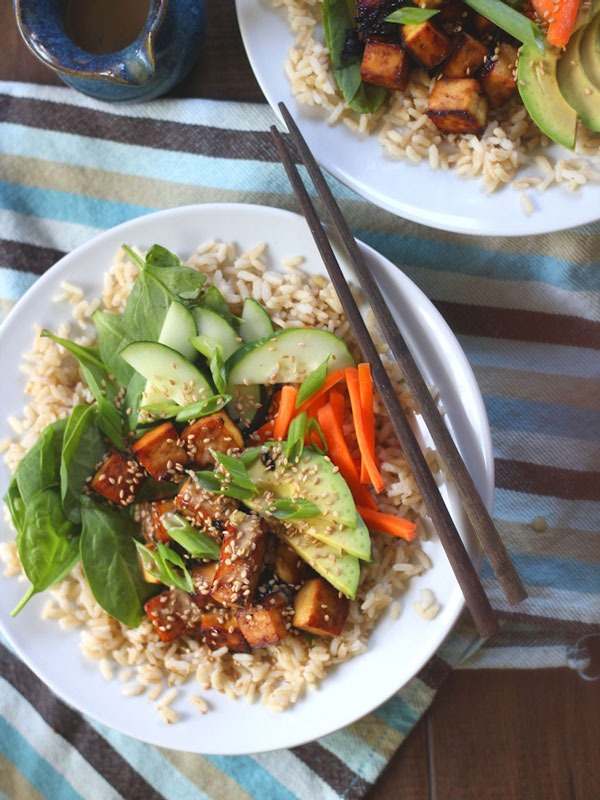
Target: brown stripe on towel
435, 672
156, 133
24, 257
75, 730
333, 771
521, 325
522, 476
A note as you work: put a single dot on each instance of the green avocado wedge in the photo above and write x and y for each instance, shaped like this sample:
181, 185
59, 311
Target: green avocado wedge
589, 51
541, 95
575, 85
355, 541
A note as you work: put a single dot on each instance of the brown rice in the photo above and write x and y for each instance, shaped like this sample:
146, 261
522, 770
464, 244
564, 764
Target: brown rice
276, 675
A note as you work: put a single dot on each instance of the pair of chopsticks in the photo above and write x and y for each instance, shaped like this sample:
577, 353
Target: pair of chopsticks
466, 575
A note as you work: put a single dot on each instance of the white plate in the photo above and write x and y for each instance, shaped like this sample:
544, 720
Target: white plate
397, 650
435, 198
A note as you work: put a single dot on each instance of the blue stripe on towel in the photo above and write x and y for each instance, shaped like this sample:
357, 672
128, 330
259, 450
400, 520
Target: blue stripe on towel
507, 413
559, 573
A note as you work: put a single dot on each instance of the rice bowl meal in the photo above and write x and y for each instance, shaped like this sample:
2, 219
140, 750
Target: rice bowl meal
425, 85
217, 532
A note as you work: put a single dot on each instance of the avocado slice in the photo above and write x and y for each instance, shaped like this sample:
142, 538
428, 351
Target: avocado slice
314, 478
589, 51
575, 85
542, 97
353, 540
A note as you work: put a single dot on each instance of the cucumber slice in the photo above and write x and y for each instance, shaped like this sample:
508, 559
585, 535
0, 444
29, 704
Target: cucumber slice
212, 325
256, 323
167, 371
341, 570
178, 328
287, 356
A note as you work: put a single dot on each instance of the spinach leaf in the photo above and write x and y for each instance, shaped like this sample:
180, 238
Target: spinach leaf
83, 448
111, 339
338, 17
40, 466
16, 505
48, 544
159, 256
185, 282
146, 308
110, 563
214, 300
104, 387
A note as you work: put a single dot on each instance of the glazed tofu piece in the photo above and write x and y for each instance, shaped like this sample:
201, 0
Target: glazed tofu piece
484, 28
467, 57
385, 64
319, 608
118, 479
499, 76
370, 19
220, 628
203, 576
204, 509
216, 432
161, 453
289, 567
173, 613
241, 562
426, 44
458, 105
267, 622
158, 532
454, 17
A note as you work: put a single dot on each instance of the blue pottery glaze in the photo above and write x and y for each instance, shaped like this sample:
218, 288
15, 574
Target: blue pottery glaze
161, 55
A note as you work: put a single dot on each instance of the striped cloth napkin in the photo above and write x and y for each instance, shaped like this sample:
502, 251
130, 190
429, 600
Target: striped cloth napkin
527, 313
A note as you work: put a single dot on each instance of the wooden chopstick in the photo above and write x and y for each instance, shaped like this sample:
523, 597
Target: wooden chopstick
473, 505
466, 575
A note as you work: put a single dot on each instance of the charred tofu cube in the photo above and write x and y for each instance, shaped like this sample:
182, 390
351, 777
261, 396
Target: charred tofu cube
499, 79
426, 44
158, 530
266, 622
118, 479
161, 453
203, 576
385, 64
220, 628
319, 608
370, 19
454, 17
216, 432
458, 105
289, 567
467, 58
173, 613
241, 562
204, 509
484, 28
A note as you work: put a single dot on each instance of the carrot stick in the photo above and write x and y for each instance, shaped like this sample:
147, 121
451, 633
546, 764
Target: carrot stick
560, 16
367, 450
340, 455
287, 410
388, 523
365, 385
338, 405
330, 380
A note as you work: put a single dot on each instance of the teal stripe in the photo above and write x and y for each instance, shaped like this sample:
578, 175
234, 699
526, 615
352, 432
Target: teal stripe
533, 417
66, 207
398, 714
252, 777
559, 573
580, 515
38, 772
357, 755
13, 283
529, 357
464, 258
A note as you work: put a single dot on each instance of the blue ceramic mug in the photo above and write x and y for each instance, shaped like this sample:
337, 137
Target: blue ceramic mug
159, 57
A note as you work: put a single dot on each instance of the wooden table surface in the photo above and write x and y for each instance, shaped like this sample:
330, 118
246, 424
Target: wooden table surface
490, 734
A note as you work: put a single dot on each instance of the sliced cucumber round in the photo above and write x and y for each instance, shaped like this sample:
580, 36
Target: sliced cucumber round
214, 326
256, 323
172, 375
287, 356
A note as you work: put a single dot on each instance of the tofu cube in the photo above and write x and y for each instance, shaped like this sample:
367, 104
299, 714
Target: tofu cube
203, 576
320, 609
458, 105
385, 64
426, 44
204, 509
118, 479
161, 453
220, 628
241, 562
289, 567
499, 76
454, 17
267, 622
483, 27
216, 432
173, 613
370, 19
467, 58
158, 530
